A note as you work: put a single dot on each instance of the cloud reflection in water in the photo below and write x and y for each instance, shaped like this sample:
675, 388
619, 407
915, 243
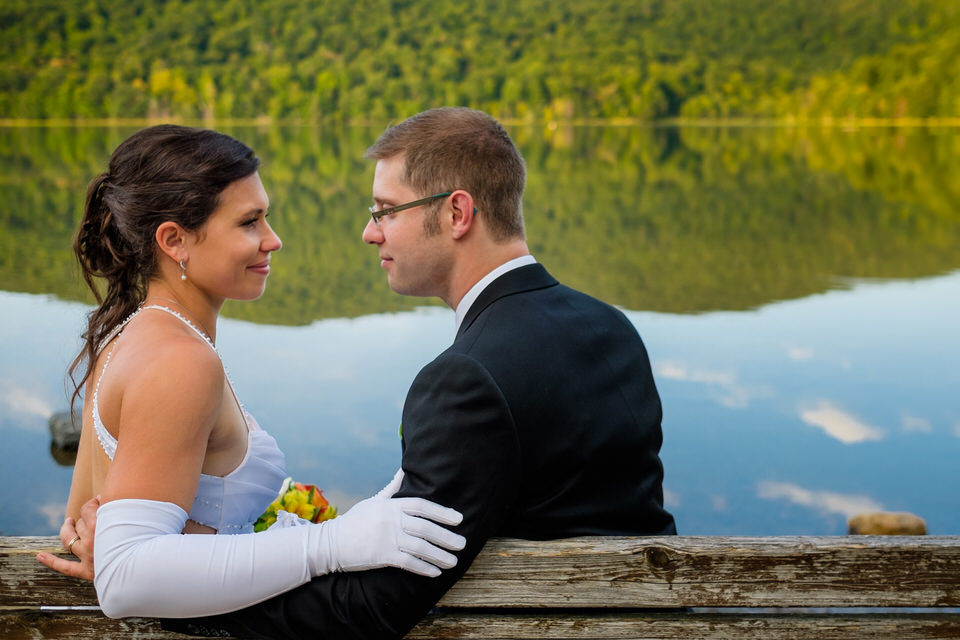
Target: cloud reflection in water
826, 501
840, 424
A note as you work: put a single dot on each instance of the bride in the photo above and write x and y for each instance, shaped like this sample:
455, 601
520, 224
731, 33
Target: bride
177, 225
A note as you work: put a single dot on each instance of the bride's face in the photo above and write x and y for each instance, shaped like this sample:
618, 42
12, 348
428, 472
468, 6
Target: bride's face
229, 256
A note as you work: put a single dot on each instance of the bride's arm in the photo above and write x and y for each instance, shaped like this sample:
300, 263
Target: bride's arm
81, 482
81, 487
170, 400
143, 566
167, 412
162, 447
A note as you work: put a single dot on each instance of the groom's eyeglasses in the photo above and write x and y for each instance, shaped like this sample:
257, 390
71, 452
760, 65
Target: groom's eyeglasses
376, 214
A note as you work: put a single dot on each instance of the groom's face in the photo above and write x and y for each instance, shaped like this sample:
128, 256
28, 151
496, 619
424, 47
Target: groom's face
417, 262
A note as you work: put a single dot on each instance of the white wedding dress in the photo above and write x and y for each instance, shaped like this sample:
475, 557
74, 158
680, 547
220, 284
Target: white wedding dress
144, 567
230, 503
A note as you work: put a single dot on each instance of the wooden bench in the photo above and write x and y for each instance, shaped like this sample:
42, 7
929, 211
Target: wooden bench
598, 587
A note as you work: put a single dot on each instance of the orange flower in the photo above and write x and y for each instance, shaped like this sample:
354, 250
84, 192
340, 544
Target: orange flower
303, 500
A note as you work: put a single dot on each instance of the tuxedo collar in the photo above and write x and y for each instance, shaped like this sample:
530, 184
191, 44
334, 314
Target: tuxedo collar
519, 280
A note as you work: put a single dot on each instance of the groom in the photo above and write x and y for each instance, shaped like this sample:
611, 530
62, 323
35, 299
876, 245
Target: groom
540, 421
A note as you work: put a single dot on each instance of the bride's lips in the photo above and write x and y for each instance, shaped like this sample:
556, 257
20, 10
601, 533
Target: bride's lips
384, 260
260, 267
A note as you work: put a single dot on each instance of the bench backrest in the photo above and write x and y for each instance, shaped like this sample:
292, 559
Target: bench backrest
649, 572
600, 587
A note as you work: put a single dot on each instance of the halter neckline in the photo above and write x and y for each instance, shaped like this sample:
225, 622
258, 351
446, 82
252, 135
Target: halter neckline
182, 317
118, 328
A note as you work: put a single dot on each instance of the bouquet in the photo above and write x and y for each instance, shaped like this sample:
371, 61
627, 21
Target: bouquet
303, 500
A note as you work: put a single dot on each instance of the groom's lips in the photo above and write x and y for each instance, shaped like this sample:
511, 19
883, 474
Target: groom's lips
384, 260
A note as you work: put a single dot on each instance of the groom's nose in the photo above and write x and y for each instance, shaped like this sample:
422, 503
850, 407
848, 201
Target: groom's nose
372, 233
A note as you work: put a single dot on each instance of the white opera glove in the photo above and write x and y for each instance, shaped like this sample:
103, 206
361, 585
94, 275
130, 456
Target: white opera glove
145, 567
285, 520
393, 532
392, 487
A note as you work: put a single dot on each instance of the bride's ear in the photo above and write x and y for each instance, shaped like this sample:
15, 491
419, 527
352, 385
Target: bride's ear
171, 240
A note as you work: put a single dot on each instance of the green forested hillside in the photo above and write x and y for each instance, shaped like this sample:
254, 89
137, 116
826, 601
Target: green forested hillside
373, 60
650, 218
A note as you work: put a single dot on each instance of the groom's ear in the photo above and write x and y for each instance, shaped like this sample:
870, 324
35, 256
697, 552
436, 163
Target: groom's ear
462, 212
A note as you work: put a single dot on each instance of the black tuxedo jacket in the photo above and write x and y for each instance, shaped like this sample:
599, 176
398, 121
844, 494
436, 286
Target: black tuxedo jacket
540, 421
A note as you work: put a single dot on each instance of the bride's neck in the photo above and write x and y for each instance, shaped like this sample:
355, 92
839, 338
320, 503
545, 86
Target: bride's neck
189, 302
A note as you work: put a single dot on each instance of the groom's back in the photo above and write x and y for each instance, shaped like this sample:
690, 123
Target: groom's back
577, 379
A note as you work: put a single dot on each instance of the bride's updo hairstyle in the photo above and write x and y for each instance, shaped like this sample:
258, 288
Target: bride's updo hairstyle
159, 174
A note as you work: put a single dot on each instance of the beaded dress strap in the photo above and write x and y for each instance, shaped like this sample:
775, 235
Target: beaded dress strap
183, 318
107, 441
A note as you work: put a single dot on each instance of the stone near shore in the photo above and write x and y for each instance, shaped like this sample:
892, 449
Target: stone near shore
887, 524
65, 430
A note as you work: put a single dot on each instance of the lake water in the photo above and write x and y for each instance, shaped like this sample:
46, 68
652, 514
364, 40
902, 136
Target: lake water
798, 292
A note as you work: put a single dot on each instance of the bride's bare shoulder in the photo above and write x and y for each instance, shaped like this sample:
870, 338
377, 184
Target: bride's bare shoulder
161, 354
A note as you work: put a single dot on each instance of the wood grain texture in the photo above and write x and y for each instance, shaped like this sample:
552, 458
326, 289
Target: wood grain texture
24, 582
667, 571
595, 587
80, 626
664, 626
713, 571
529, 626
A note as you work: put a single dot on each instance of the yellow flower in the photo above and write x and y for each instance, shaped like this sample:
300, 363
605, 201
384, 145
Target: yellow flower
303, 500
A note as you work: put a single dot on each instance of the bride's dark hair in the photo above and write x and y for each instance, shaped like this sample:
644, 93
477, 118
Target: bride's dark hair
159, 174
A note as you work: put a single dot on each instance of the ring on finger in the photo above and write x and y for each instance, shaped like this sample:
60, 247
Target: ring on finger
70, 544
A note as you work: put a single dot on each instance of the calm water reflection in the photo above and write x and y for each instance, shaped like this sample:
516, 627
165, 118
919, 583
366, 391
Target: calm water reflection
798, 293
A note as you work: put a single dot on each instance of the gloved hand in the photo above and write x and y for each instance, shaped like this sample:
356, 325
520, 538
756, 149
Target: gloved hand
394, 532
392, 487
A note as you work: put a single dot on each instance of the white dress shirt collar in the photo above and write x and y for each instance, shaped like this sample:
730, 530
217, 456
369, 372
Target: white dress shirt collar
467, 301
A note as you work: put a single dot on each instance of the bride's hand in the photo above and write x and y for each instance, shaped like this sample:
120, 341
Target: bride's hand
77, 538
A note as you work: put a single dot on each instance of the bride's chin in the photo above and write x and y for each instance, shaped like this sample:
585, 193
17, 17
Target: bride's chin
250, 296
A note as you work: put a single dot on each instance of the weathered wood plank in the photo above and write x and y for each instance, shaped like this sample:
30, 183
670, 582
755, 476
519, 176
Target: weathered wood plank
81, 626
672, 571
524, 626
26, 582
653, 626
669, 626
693, 571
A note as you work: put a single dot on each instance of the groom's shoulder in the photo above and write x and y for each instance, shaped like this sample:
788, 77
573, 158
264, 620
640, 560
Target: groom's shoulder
524, 315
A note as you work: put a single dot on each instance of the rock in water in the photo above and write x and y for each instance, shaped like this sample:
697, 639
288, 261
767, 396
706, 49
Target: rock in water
887, 524
65, 430
63, 456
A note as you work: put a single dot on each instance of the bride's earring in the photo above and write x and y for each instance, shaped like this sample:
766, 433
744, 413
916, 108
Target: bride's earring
183, 269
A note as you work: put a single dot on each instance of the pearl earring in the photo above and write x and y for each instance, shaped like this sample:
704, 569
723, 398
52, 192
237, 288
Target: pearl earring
183, 268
